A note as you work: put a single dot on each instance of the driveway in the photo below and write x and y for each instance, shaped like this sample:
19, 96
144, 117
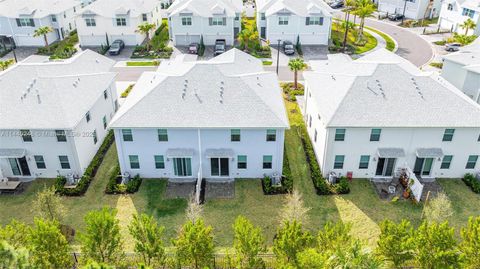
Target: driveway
411, 46
123, 56
21, 52
315, 52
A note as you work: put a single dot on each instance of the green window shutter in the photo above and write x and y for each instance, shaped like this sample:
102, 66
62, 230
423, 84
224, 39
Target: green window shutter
210, 21
321, 20
18, 23
224, 21
307, 21
32, 23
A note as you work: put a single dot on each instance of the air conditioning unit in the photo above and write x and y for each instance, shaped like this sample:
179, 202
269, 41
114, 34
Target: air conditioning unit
332, 177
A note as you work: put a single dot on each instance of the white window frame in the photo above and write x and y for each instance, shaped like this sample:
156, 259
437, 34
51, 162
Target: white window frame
90, 22
121, 22
283, 20
186, 21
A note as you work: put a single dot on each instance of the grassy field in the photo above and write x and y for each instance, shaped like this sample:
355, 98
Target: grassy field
361, 207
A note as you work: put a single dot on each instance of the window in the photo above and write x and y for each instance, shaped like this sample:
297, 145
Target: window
105, 94
340, 135
364, 160
315, 136
64, 162
70, 26
95, 138
282, 20
472, 162
271, 135
218, 21
375, 134
478, 139
54, 18
87, 116
447, 160
144, 17
314, 21
104, 122
26, 135
61, 136
339, 159
162, 135
127, 134
159, 162
450, 7
187, 21
242, 162
262, 16
25, 22
448, 135
235, 135
90, 22
121, 21
310, 121
182, 167
74, 10
15, 167
134, 163
40, 162
267, 161
468, 12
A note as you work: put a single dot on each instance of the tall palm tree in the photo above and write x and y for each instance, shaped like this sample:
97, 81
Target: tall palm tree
145, 29
363, 9
246, 36
297, 65
467, 25
43, 31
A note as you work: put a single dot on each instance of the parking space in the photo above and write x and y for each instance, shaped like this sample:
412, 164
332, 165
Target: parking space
123, 56
318, 52
21, 52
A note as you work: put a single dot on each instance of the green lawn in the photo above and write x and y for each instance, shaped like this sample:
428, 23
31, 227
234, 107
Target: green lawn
338, 34
148, 63
390, 43
361, 207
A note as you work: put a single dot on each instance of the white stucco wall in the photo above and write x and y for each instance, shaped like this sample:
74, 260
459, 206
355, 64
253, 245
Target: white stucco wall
253, 143
79, 146
452, 19
185, 34
357, 142
309, 34
414, 10
463, 79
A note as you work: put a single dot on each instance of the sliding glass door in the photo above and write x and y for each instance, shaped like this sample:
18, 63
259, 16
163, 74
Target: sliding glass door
219, 167
385, 167
182, 167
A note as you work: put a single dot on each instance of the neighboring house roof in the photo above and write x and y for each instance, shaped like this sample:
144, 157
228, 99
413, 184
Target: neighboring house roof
302, 8
112, 8
206, 8
35, 8
388, 94
53, 95
468, 57
205, 94
471, 4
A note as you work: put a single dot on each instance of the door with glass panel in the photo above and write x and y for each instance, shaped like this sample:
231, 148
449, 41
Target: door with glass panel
19, 166
182, 167
385, 167
219, 167
423, 166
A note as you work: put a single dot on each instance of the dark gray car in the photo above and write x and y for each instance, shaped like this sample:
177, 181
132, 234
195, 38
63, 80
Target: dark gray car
116, 47
288, 48
220, 46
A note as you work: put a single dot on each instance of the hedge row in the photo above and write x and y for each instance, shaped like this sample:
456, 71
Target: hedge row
320, 183
113, 187
287, 180
90, 172
472, 182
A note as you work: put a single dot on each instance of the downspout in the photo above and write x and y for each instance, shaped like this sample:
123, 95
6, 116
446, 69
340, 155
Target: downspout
200, 152
324, 165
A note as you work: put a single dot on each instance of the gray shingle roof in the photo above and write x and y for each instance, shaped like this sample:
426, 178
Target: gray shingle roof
35, 8
66, 90
302, 8
468, 57
109, 8
389, 96
206, 8
250, 99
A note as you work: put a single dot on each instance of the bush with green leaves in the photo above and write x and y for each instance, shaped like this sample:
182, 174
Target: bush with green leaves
147, 235
287, 180
194, 245
48, 247
101, 241
248, 242
396, 242
13, 258
438, 209
48, 205
472, 182
15, 233
470, 245
436, 246
290, 240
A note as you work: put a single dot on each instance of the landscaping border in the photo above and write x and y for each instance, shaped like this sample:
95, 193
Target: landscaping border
89, 173
472, 182
287, 180
113, 187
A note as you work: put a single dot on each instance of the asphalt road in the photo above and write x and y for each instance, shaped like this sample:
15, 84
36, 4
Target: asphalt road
130, 73
410, 46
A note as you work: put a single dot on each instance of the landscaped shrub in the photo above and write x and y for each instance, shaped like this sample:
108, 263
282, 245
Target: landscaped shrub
63, 49
472, 182
126, 92
90, 171
320, 183
116, 187
158, 45
134, 184
287, 180
291, 92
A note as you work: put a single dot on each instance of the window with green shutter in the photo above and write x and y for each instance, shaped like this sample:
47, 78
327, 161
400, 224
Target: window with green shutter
448, 135
127, 135
375, 134
339, 159
267, 161
446, 161
235, 135
40, 162
472, 162
271, 135
64, 163
134, 161
364, 160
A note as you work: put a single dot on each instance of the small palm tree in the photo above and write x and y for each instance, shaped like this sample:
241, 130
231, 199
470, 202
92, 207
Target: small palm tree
363, 9
467, 25
145, 30
43, 31
246, 36
297, 65
5, 64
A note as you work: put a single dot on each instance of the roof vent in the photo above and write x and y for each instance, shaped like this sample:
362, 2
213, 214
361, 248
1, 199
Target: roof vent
333, 77
38, 99
183, 96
